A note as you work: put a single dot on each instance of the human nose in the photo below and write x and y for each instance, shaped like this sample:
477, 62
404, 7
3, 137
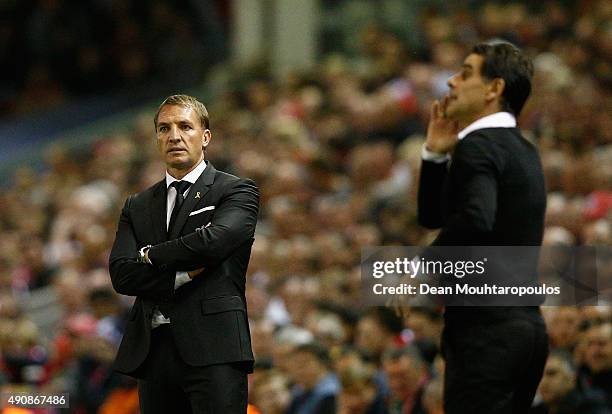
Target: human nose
452, 81
173, 134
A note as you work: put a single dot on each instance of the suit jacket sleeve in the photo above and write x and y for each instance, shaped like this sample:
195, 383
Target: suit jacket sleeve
476, 169
130, 277
431, 184
232, 225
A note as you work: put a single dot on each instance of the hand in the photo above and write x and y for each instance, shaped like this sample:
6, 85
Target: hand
441, 131
143, 254
194, 273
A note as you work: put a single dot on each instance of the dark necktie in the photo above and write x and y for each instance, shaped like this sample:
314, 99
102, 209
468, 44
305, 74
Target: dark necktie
181, 187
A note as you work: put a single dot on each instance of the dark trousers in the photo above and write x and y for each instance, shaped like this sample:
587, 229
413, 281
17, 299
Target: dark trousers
169, 385
493, 366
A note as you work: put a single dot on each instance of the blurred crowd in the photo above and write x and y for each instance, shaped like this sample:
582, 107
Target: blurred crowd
335, 152
62, 49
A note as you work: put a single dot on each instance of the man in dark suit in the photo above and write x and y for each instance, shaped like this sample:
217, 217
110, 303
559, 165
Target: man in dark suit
491, 194
182, 248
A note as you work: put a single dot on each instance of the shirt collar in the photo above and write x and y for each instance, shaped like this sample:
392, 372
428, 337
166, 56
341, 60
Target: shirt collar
496, 120
192, 177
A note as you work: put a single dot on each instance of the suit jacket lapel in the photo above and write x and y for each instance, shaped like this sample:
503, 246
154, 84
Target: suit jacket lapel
195, 196
158, 211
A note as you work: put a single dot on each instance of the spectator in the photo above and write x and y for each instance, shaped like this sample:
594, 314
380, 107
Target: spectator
378, 330
407, 375
316, 388
426, 326
562, 325
359, 394
596, 373
107, 309
270, 393
23, 356
559, 393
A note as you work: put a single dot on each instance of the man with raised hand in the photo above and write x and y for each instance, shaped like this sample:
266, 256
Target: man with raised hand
481, 184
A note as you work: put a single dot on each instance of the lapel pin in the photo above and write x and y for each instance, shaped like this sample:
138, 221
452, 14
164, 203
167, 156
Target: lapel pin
198, 195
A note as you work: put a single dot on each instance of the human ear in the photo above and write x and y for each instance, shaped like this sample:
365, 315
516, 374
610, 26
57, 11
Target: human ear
206, 137
495, 89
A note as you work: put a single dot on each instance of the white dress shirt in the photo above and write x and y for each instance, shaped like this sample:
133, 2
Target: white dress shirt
181, 277
496, 120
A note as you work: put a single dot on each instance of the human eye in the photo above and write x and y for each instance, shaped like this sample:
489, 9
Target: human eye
163, 128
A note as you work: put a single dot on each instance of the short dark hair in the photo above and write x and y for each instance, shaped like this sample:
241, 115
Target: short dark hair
386, 318
316, 349
506, 61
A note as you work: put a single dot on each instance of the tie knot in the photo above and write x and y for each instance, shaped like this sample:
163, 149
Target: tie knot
180, 187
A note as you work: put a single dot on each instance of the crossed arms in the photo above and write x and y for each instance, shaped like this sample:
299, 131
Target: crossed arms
233, 225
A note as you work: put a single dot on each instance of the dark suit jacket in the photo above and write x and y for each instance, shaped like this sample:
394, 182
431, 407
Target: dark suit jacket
208, 314
492, 194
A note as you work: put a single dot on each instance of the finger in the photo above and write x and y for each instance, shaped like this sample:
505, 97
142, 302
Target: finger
443, 106
435, 106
